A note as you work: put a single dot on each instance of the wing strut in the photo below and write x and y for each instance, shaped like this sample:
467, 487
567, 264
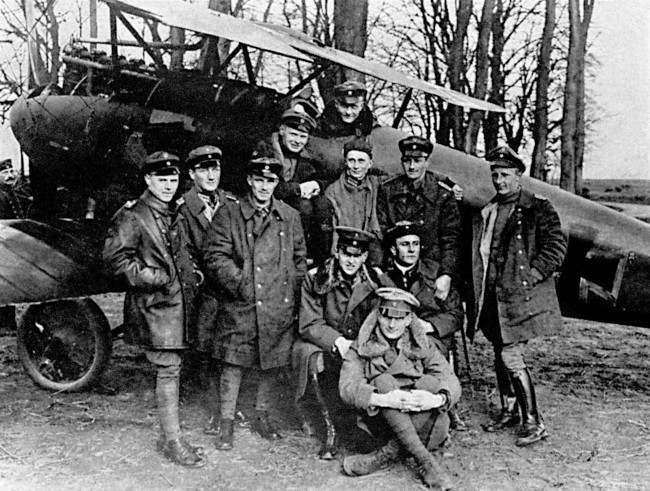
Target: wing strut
402, 108
155, 55
249, 64
304, 82
228, 59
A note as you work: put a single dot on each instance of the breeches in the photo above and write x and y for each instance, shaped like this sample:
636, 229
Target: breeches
432, 426
511, 356
167, 363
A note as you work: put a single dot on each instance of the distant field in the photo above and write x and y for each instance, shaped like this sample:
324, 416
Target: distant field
619, 190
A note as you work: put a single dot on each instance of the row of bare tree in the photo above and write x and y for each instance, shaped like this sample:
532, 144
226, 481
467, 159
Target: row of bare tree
530, 56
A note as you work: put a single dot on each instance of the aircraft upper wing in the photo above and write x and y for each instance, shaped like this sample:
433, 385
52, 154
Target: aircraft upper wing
299, 41
176, 13
283, 41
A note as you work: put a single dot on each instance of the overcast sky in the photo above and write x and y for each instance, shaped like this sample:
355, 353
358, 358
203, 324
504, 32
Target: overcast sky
620, 145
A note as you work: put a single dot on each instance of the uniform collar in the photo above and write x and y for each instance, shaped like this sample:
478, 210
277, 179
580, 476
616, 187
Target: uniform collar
154, 203
248, 209
525, 199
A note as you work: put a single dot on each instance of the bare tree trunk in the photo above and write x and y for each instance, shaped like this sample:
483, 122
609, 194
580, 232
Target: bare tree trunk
570, 106
54, 52
588, 7
540, 125
491, 125
214, 49
573, 121
456, 64
37, 72
480, 83
177, 36
351, 35
351, 31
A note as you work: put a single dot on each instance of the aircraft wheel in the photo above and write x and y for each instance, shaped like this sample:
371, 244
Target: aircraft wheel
64, 345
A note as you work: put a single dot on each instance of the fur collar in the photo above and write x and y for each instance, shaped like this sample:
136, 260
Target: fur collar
371, 343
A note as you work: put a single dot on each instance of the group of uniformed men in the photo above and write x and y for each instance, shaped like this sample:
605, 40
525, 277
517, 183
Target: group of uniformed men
368, 329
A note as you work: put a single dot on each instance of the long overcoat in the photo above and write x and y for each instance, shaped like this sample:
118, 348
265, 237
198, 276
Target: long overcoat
431, 205
531, 238
258, 280
193, 209
147, 248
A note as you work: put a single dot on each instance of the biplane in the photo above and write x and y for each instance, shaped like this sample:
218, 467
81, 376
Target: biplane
84, 145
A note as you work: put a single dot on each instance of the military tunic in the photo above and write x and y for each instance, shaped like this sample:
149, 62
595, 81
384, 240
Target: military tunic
198, 217
330, 307
430, 204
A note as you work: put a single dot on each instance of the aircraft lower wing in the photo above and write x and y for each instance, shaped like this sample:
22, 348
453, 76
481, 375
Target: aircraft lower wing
40, 262
283, 41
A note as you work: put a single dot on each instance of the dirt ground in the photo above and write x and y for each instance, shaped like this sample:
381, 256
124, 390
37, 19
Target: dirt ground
593, 387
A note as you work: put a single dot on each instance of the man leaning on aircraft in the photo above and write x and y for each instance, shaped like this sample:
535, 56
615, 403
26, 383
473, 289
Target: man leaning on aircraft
517, 247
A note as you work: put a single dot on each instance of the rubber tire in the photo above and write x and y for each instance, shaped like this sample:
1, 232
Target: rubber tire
79, 311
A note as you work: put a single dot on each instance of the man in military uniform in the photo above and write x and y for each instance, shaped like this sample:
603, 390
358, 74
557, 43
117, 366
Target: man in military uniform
395, 373
198, 206
405, 270
147, 249
254, 254
303, 179
517, 246
348, 114
335, 299
353, 196
421, 197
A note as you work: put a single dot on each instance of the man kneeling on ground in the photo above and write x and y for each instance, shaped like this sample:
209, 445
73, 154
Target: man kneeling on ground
394, 372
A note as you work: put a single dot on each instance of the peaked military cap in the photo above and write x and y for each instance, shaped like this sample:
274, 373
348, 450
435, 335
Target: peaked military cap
203, 156
265, 166
358, 144
349, 91
401, 229
160, 163
415, 146
505, 157
298, 117
5, 164
395, 302
353, 240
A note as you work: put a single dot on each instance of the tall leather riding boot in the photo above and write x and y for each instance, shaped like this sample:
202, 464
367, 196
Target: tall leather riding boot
509, 415
364, 464
329, 447
432, 473
532, 425
172, 445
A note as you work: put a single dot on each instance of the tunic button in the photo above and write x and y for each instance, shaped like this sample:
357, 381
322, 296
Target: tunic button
518, 222
258, 269
281, 233
519, 236
520, 251
259, 302
250, 235
525, 283
259, 285
286, 300
521, 267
